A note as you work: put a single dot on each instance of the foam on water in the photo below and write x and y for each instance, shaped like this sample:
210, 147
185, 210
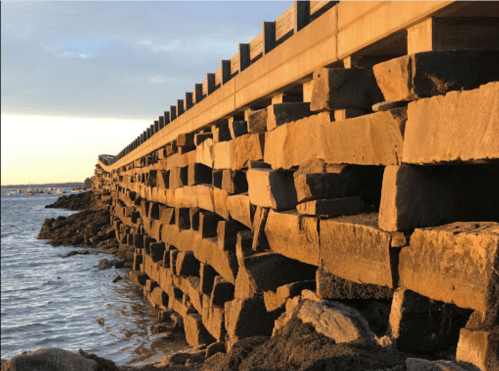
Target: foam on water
47, 301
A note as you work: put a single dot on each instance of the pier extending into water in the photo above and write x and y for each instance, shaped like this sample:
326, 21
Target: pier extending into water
349, 151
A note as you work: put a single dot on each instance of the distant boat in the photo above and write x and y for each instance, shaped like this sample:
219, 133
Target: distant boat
74, 190
59, 191
18, 190
49, 193
11, 193
30, 192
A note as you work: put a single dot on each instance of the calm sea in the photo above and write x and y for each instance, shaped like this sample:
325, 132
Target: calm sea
48, 301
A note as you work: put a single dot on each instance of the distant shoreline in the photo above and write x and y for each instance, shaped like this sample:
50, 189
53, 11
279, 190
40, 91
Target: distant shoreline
70, 184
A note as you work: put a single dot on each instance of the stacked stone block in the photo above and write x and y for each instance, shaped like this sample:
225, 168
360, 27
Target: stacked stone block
383, 187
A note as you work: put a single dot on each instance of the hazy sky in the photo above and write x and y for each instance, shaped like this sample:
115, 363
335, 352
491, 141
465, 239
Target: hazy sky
81, 79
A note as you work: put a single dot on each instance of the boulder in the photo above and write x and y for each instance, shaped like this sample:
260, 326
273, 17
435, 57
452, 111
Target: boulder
479, 348
337, 321
50, 359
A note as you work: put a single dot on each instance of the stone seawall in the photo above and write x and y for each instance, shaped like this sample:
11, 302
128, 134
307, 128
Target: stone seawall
373, 184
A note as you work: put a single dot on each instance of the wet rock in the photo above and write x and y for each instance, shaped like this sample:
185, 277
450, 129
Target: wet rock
117, 278
50, 359
105, 264
77, 252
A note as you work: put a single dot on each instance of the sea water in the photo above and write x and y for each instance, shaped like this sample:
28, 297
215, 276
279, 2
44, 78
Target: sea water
48, 301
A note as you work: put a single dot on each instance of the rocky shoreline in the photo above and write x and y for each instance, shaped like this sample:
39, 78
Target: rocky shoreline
298, 344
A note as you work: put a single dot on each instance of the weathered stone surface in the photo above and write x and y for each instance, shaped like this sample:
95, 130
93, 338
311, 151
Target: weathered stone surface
294, 236
340, 88
163, 179
247, 317
314, 180
260, 242
282, 113
159, 297
271, 189
222, 154
187, 264
458, 127
332, 206
354, 248
226, 234
138, 278
332, 287
221, 207
214, 319
50, 359
420, 364
207, 275
220, 133
182, 218
198, 174
201, 137
222, 292
195, 332
244, 243
234, 182
291, 144
417, 196
374, 139
218, 347
479, 348
426, 74
419, 324
249, 147
157, 251
208, 222
204, 153
241, 209
267, 271
257, 121
238, 128
275, 300
455, 263
334, 320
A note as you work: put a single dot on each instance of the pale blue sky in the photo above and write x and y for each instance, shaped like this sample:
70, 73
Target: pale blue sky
84, 78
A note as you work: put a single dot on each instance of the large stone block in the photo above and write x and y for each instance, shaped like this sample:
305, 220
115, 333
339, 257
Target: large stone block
354, 248
220, 201
222, 154
227, 233
234, 182
214, 319
204, 153
294, 236
271, 189
419, 324
241, 209
195, 332
187, 264
425, 74
291, 144
159, 298
341, 88
374, 139
455, 263
257, 121
198, 174
223, 292
418, 196
332, 206
332, 287
246, 148
267, 271
458, 127
479, 348
282, 113
246, 318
